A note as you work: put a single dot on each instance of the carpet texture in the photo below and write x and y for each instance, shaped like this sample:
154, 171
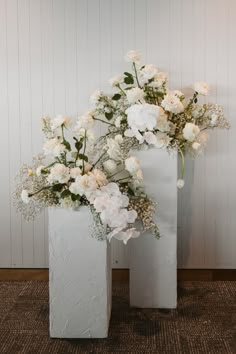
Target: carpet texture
205, 322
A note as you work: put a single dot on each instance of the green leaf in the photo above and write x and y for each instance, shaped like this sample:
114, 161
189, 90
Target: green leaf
129, 80
67, 145
75, 197
83, 157
65, 193
109, 115
130, 191
128, 74
195, 101
116, 97
57, 187
78, 145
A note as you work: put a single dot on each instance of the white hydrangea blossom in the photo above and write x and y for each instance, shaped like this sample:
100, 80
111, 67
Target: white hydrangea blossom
142, 116
110, 166
60, 120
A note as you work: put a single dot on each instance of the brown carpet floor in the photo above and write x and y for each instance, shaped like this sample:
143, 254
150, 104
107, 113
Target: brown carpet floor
205, 322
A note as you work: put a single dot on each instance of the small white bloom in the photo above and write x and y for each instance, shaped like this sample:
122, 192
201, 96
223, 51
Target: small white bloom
132, 164
118, 121
196, 146
75, 172
134, 95
214, 118
59, 121
85, 121
133, 56
109, 166
202, 88
116, 80
95, 97
172, 103
178, 93
84, 185
25, 196
150, 138
191, 131
119, 138
39, 170
180, 183
53, 147
59, 173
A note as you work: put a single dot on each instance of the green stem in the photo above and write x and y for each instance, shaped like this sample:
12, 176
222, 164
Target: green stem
40, 190
99, 159
85, 138
124, 93
121, 179
136, 74
182, 163
103, 121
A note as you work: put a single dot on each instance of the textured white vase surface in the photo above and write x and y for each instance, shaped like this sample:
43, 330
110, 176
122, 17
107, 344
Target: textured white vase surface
153, 263
80, 276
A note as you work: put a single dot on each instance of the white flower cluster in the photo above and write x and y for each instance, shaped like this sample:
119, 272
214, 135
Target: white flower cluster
112, 206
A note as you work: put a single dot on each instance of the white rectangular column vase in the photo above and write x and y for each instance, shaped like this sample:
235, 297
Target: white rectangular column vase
153, 263
79, 276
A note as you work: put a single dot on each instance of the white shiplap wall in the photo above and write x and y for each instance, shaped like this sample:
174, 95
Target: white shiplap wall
54, 53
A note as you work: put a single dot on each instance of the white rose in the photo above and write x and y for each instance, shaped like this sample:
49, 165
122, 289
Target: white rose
159, 79
149, 72
172, 103
53, 147
59, 121
59, 173
132, 164
84, 185
95, 97
116, 80
150, 138
133, 56
142, 116
134, 95
191, 131
99, 176
162, 140
180, 183
75, 172
109, 166
25, 196
202, 88
85, 121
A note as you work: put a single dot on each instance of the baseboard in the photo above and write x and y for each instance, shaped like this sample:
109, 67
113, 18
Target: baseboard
122, 274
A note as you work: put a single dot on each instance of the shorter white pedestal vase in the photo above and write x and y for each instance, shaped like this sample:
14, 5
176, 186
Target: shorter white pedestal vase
153, 263
79, 276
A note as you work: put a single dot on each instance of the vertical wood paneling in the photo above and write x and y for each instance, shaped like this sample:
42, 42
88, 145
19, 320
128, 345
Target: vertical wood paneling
55, 53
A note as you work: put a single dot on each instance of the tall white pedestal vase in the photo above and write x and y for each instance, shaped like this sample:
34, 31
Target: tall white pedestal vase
80, 276
153, 263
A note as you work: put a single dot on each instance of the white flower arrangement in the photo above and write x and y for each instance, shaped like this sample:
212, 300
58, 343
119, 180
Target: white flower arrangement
103, 174
146, 112
65, 176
